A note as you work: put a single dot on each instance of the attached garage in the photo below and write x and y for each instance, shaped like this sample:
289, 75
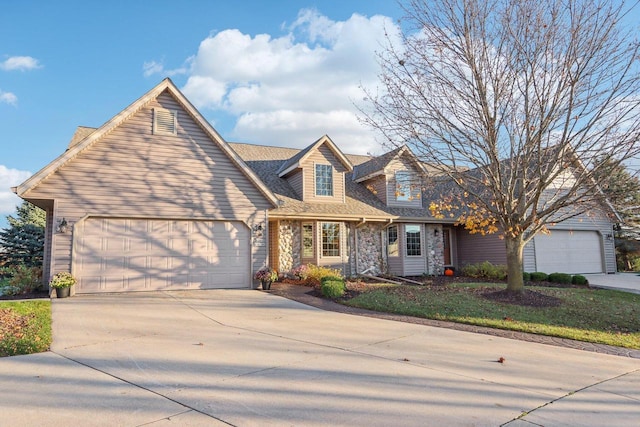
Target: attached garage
568, 251
121, 255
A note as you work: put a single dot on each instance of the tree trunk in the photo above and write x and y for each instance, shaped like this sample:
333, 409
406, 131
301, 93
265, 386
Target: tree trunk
515, 247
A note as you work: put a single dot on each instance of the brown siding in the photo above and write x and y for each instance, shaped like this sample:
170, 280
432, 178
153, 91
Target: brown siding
323, 155
133, 173
474, 248
378, 186
296, 182
402, 164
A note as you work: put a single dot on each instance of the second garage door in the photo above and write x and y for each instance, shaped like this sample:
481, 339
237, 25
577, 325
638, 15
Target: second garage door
120, 255
571, 252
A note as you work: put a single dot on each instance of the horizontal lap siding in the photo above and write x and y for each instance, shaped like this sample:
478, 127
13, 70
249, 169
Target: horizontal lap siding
474, 248
295, 181
323, 155
402, 164
378, 186
132, 173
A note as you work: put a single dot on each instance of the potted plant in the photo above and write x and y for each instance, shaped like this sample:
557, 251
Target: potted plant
266, 275
62, 283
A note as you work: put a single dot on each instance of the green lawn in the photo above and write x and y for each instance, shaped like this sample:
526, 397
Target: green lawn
593, 315
25, 327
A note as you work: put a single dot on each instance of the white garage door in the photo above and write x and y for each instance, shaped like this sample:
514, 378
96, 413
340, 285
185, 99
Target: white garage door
572, 252
120, 255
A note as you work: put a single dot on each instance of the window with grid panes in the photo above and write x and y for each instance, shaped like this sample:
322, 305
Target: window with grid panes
412, 233
324, 180
330, 239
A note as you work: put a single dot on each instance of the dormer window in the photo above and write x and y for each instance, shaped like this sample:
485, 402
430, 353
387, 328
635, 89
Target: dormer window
324, 180
165, 122
403, 186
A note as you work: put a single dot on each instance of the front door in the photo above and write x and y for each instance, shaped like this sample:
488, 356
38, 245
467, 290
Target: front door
446, 237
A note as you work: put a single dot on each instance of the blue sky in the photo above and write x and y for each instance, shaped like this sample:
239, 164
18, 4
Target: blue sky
295, 64
269, 72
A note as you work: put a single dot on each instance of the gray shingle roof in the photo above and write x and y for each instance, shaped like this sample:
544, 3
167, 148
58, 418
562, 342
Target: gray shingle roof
266, 161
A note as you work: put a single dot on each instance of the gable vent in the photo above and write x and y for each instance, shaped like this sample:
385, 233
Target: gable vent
165, 122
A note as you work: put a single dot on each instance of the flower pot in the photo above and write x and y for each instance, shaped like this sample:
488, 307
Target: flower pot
266, 285
63, 292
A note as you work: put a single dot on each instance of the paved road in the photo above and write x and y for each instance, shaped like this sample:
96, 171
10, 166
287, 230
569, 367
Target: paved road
250, 358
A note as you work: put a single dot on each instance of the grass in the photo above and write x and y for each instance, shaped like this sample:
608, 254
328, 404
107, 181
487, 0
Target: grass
592, 315
25, 327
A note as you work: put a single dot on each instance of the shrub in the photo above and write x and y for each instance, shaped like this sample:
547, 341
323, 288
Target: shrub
539, 276
526, 276
20, 279
579, 279
333, 288
330, 279
563, 278
485, 270
315, 273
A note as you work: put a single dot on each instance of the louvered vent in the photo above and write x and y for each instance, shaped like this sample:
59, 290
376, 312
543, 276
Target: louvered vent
165, 122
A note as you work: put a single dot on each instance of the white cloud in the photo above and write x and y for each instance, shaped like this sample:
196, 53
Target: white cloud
21, 63
10, 178
8, 98
153, 67
290, 90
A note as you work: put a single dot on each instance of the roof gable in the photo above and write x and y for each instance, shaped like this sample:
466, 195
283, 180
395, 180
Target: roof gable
376, 166
84, 138
295, 162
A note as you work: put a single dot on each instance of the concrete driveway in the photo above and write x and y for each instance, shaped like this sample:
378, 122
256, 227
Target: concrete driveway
629, 282
250, 358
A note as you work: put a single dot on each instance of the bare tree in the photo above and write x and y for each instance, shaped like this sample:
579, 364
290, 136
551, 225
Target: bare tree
533, 96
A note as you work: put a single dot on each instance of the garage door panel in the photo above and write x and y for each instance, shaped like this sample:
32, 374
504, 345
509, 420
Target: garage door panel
133, 255
569, 252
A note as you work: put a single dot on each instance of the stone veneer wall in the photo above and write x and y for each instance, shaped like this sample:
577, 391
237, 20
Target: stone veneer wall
369, 248
288, 245
435, 249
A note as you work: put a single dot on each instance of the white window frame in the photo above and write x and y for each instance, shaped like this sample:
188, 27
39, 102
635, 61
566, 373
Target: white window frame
328, 168
322, 239
403, 186
395, 246
406, 239
313, 248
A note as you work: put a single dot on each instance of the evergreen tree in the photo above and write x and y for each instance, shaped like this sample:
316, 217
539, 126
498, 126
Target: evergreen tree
623, 191
23, 241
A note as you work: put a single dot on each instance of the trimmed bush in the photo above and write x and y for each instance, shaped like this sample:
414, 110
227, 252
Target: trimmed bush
579, 279
526, 276
485, 270
330, 279
562, 278
333, 288
539, 276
